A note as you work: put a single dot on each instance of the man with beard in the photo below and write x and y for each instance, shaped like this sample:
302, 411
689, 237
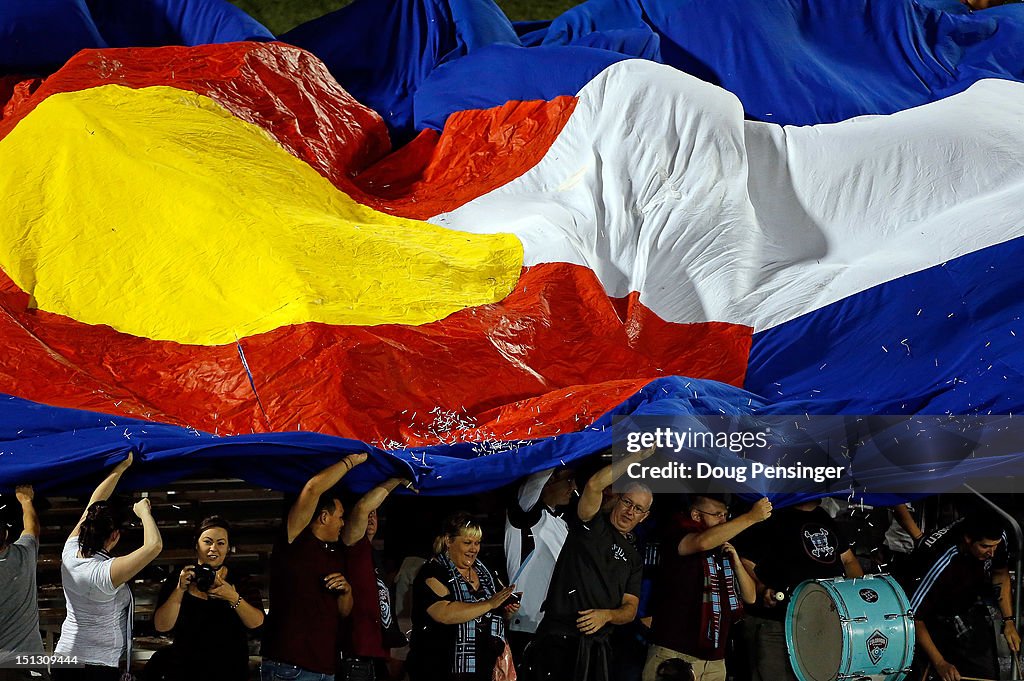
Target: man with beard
696, 599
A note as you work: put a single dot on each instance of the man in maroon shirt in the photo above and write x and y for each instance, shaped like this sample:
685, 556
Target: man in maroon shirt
308, 592
363, 647
695, 594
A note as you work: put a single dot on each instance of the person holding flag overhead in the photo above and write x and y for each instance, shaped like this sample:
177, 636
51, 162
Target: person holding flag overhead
368, 634
19, 608
596, 582
98, 627
697, 582
308, 592
535, 530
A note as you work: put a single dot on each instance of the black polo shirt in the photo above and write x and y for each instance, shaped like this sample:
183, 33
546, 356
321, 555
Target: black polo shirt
597, 566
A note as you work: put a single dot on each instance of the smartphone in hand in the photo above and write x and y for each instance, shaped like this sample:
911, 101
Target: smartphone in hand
514, 599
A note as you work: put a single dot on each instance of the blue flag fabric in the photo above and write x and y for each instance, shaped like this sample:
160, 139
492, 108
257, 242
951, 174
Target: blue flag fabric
65, 448
797, 62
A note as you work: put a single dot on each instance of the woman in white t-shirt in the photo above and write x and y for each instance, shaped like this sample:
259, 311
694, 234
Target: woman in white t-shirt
98, 624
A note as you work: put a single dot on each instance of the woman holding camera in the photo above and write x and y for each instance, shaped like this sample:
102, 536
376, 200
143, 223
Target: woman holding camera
98, 625
458, 609
209, 615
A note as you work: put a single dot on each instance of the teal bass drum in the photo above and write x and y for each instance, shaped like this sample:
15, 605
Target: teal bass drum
859, 629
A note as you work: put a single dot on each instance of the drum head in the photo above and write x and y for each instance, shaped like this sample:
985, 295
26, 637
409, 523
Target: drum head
815, 635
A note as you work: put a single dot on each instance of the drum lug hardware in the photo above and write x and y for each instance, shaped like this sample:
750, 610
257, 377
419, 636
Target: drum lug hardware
867, 640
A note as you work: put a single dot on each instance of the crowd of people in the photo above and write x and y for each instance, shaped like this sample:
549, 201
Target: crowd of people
574, 579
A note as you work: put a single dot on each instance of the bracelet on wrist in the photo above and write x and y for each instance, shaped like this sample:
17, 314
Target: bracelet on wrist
238, 601
1007, 618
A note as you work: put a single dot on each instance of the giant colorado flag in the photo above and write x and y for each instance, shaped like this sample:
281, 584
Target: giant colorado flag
215, 253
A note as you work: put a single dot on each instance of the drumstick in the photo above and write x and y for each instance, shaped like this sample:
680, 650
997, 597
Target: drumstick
975, 678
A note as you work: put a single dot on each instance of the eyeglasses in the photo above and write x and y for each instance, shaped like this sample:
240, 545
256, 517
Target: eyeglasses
631, 506
720, 514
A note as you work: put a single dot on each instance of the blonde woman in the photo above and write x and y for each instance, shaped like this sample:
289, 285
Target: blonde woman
458, 609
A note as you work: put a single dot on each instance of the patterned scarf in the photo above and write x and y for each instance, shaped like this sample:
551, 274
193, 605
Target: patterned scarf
464, 660
719, 584
719, 588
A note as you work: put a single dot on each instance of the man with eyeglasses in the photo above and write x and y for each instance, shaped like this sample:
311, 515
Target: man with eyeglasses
595, 585
696, 598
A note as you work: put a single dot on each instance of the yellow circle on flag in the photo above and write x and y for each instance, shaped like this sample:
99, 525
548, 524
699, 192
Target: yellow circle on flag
161, 214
